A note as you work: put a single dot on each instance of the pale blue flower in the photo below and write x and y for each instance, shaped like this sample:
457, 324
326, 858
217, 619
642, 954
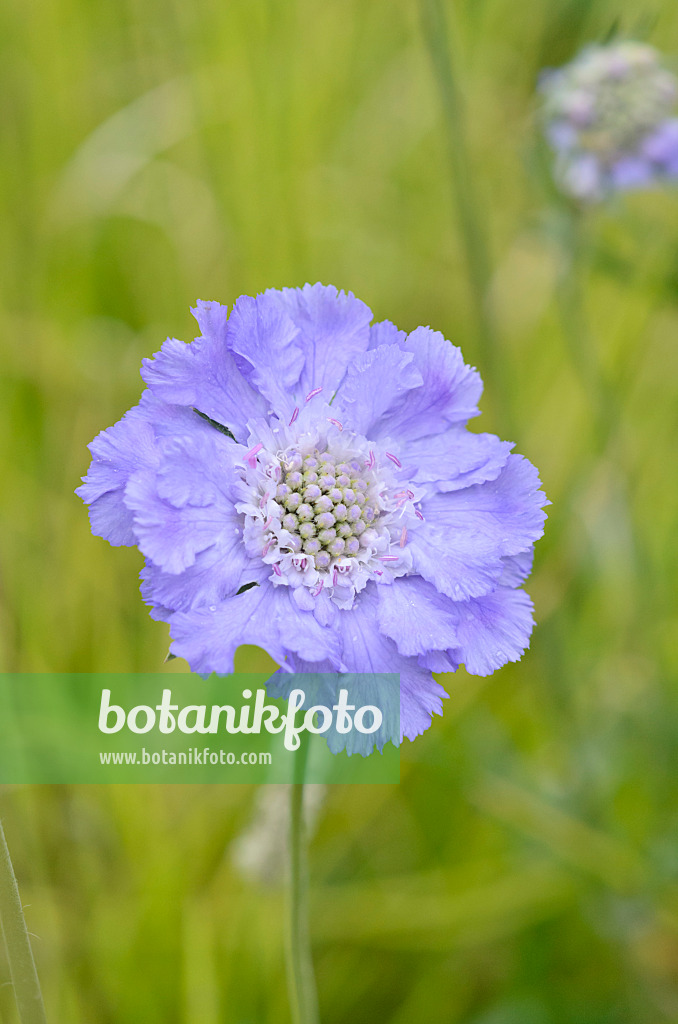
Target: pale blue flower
304, 481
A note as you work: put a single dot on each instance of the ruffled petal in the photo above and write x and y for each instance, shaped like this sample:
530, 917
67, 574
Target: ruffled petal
438, 661
333, 330
322, 686
185, 505
264, 336
374, 383
366, 649
416, 616
204, 375
218, 572
516, 568
454, 459
117, 452
303, 635
466, 534
385, 333
449, 393
493, 630
208, 638
212, 318
467, 567
508, 510
123, 449
172, 420
108, 518
264, 616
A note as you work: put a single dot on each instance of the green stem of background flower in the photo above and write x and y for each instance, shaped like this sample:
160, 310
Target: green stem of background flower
301, 979
471, 225
583, 350
605, 401
19, 953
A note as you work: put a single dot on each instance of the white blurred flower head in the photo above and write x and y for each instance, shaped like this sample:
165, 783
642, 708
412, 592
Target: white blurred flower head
609, 118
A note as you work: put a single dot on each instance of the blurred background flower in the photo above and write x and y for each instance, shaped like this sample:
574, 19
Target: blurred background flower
609, 117
525, 869
260, 852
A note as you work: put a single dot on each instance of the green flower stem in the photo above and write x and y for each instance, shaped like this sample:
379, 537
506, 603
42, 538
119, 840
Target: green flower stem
19, 952
471, 223
582, 348
301, 979
605, 402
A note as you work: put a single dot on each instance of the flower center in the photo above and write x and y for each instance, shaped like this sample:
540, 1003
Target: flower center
328, 507
328, 514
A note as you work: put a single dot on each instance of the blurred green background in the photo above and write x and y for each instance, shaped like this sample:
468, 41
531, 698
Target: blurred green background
526, 869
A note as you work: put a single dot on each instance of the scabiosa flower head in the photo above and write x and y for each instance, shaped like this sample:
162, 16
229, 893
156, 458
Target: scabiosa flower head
303, 481
609, 118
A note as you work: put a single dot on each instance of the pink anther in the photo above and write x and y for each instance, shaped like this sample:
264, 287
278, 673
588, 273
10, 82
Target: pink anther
294, 415
314, 593
418, 514
337, 424
276, 569
394, 459
389, 558
251, 457
403, 537
312, 394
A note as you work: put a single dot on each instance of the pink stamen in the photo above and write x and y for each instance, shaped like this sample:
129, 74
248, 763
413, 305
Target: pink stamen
318, 588
394, 459
276, 569
389, 558
266, 547
337, 424
418, 514
268, 522
334, 577
378, 572
371, 461
403, 537
294, 415
251, 457
312, 394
